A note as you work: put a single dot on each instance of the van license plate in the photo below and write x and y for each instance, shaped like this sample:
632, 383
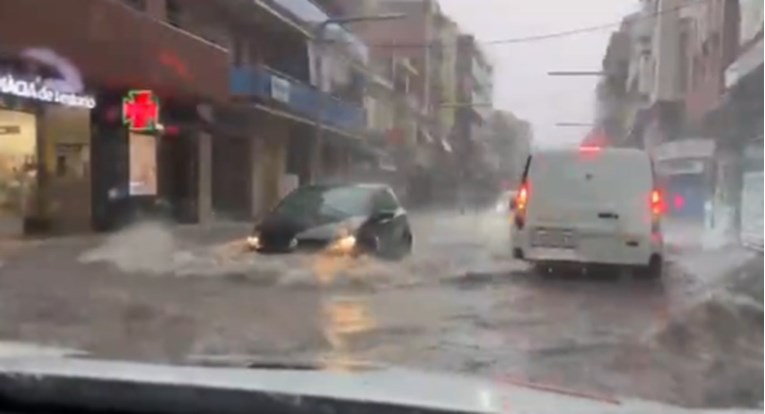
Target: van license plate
557, 238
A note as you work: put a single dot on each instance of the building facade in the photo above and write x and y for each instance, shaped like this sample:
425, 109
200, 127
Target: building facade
88, 170
695, 74
297, 112
474, 98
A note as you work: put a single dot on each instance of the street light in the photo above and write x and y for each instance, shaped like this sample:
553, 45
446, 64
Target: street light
317, 70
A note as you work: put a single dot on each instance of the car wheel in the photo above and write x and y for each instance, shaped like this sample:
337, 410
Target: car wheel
401, 248
407, 244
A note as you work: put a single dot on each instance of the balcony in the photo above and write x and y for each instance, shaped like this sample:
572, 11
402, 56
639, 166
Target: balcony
269, 86
309, 14
115, 46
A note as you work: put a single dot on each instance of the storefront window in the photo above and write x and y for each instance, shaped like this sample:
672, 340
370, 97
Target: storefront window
18, 169
143, 165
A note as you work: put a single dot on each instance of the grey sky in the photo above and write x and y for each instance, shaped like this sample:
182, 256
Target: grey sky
521, 82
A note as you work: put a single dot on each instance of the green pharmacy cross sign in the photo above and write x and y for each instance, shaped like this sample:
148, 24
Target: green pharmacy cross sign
140, 111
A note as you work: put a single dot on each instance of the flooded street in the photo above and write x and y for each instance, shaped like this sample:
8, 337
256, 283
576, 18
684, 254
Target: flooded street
459, 303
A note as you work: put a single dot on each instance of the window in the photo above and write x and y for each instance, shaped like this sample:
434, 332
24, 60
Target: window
327, 201
682, 71
239, 51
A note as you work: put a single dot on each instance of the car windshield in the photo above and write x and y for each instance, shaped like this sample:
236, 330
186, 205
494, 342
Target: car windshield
567, 192
335, 202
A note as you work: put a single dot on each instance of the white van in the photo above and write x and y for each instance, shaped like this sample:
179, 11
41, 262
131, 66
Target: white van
589, 206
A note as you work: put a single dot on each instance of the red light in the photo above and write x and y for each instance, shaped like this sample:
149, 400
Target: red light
589, 149
523, 196
172, 130
521, 201
679, 202
657, 203
112, 114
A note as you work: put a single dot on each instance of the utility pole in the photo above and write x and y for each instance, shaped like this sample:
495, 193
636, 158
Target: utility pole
319, 40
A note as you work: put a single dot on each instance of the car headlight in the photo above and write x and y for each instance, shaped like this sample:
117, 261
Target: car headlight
253, 242
345, 244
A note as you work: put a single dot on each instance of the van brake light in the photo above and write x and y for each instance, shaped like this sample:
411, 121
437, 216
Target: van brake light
589, 148
523, 196
657, 203
521, 200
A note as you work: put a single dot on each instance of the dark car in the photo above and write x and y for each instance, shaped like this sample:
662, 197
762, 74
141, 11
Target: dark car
341, 219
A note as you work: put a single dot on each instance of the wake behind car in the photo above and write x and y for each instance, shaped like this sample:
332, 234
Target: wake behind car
589, 207
339, 219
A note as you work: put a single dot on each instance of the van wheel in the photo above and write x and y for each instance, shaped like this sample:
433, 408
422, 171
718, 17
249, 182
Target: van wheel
654, 268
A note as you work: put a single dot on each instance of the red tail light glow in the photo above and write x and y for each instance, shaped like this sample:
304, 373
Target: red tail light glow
523, 197
589, 148
657, 203
678, 201
521, 201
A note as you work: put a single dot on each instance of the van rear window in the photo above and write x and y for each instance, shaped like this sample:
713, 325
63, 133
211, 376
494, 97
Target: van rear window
571, 176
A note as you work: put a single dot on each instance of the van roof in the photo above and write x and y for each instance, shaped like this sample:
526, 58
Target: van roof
603, 150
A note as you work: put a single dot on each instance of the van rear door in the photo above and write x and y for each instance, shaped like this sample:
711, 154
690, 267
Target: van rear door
593, 194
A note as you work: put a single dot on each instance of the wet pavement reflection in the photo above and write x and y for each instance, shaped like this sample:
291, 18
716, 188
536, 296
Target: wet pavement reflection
343, 318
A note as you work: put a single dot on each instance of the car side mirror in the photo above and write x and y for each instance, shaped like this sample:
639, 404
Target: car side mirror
382, 216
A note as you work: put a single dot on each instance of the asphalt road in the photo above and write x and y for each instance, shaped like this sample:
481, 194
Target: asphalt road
460, 303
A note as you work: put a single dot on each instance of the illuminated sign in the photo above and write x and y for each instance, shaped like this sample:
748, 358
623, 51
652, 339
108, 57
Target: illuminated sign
39, 90
140, 111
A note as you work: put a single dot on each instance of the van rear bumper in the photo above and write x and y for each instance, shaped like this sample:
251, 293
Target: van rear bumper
574, 257
614, 251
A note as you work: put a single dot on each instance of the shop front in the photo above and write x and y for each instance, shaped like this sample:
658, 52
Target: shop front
88, 150
151, 170
44, 148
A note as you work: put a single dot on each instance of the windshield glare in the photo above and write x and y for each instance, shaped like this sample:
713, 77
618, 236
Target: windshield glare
334, 202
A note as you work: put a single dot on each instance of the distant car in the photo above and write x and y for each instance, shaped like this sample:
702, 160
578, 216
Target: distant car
590, 206
336, 219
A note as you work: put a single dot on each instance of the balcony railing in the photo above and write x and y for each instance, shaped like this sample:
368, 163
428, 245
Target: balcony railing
309, 14
267, 85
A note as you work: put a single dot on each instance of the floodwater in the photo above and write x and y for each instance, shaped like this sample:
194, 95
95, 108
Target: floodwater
459, 303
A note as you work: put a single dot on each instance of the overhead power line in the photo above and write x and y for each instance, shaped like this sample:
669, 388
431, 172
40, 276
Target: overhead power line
538, 37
